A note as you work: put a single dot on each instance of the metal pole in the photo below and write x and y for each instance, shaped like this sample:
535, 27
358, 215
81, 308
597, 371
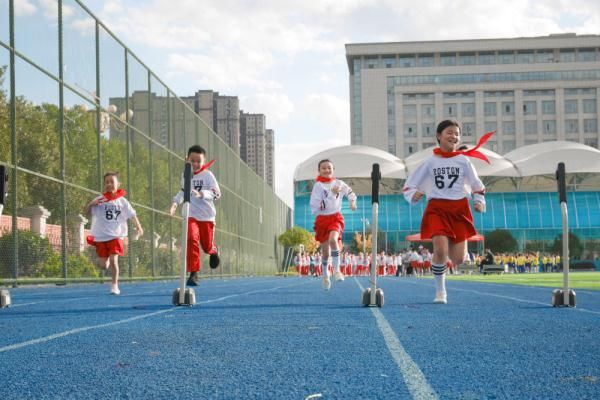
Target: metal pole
375, 178
562, 196
187, 188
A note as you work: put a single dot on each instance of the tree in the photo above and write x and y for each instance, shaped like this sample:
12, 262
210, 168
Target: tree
501, 241
296, 236
357, 243
575, 246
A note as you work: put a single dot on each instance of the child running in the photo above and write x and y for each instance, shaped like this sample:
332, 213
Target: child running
110, 213
447, 178
201, 221
326, 204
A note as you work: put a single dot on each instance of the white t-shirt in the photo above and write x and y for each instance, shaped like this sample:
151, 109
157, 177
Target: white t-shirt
109, 219
202, 209
324, 202
452, 178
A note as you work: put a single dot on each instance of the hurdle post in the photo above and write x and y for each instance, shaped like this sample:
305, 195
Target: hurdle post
187, 189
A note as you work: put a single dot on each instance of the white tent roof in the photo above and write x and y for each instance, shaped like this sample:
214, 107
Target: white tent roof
535, 159
352, 162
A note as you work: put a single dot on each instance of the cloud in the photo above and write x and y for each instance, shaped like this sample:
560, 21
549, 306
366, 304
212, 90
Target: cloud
330, 115
276, 106
24, 8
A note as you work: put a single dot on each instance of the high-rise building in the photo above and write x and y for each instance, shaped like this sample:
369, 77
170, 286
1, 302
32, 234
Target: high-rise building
221, 114
270, 156
253, 141
529, 90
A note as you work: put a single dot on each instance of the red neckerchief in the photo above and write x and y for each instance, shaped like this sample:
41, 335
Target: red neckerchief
109, 196
325, 180
206, 166
469, 153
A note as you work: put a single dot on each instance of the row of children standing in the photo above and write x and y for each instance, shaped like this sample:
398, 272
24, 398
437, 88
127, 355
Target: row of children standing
111, 210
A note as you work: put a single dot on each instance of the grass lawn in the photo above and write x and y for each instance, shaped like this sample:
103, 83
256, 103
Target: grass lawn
577, 280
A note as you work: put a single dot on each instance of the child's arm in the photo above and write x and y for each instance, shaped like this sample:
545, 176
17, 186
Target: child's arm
477, 188
138, 226
93, 203
317, 203
212, 191
177, 199
347, 190
411, 191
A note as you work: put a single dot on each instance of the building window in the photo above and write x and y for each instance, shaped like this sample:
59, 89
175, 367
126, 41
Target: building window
389, 62
450, 110
410, 130
410, 110
530, 127
490, 126
489, 109
506, 57
529, 107
589, 106
409, 148
525, 57
508, 145
428, 130
508, 127
407, 61
590, 125
468, 109
549, 127
544, 56
586, 55
487, 58
567, 55
508, 108
571, 126
548, 107
466, 59
428, 111
570, 106
448, 59
468, 129
425, 60
371, 63
591, 142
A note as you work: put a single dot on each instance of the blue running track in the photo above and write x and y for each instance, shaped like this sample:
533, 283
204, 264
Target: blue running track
286, 338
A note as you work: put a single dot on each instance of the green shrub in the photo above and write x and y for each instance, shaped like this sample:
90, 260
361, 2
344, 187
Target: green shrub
33, 251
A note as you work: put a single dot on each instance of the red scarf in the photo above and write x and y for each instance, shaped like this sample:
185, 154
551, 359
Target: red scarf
109, 196
206, 166
325, 180
469, 153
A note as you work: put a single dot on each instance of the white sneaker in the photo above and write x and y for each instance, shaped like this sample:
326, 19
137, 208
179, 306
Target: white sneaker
326, 283
114, 289
338, 276
440, 298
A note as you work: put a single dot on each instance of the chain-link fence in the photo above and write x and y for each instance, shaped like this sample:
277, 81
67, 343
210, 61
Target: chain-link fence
75, 103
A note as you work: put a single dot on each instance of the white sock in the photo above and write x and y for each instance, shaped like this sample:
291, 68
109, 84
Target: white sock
325, 269
439, 273
335, 260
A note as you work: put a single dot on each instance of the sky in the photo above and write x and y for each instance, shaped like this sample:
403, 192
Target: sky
286, 59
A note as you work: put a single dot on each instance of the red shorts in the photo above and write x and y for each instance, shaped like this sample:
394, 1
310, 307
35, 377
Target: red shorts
327, 223
105, 249
450, 218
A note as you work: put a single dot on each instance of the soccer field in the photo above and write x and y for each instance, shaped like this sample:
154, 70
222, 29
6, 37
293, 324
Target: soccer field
577, 280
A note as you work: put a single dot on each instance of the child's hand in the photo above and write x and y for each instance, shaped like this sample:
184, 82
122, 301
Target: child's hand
173, 208
478, 206
139, 233
336, 189
417, 196
353, 205
197, 193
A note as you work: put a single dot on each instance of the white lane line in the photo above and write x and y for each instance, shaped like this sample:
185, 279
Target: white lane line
124, 321
509, 298
413, 376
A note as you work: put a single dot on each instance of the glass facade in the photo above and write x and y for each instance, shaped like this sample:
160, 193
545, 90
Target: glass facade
69, 118
531, 216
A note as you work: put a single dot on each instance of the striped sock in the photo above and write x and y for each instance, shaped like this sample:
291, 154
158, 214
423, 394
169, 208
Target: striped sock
439, 273
335, 260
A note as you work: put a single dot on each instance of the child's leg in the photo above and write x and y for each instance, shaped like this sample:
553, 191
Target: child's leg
103, 262
439, 263
113, 260
193, 248
335, 250
325, 259
207, 234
